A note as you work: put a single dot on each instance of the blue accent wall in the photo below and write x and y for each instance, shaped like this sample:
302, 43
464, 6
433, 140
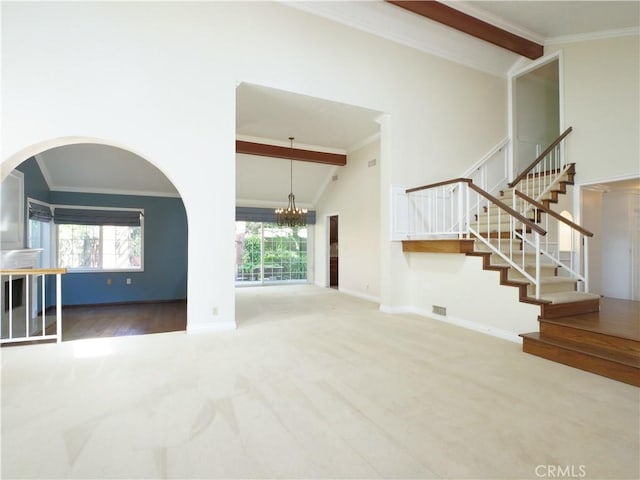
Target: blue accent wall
165, 246
165, 254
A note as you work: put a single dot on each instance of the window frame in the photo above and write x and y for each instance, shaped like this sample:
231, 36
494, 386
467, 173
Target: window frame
263, 281
100, 270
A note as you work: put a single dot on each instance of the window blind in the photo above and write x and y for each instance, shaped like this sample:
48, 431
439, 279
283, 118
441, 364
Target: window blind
39, 212
81, 216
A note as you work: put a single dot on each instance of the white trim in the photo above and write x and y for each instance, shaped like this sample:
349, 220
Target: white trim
534, 65
499, 22
325, 184
391, 24
15, 240
113, 191
585, 37
39, 202
44, 170
459, 322
513, 75
364, 142
363, 296
617, 178
211, 327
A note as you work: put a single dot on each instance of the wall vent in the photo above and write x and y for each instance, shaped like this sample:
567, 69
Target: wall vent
372, 163
438, 310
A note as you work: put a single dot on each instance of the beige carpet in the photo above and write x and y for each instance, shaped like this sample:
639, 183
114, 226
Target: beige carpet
312, 384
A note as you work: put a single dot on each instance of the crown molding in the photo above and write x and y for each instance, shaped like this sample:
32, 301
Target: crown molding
364, 142
113, 191
44, 170
585, 37
387, 21
472, 25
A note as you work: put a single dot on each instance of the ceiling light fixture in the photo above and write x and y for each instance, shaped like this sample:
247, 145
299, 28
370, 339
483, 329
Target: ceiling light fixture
291, 216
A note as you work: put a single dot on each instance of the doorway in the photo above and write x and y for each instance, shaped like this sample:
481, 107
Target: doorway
611, 210
536, 111
333, 251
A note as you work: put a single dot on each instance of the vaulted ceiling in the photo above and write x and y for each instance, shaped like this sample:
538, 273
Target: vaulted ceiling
271, 116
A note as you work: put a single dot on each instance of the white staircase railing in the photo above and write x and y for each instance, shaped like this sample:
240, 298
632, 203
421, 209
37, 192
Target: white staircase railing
465, 208
17, 324
459, 208
544, 173
570, 250
491, 172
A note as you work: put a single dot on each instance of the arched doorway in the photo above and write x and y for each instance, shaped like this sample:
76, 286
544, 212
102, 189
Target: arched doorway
119, 226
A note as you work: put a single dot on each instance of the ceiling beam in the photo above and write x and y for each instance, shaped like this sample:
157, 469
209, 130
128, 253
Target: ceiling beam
473, 26
288, 153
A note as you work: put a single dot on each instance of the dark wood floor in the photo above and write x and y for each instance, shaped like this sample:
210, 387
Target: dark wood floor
123, 320
117, 320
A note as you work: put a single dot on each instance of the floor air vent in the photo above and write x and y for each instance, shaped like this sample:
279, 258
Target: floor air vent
439, 310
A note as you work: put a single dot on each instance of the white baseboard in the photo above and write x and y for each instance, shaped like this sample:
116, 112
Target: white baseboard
211, 327
364, 296
460, 322
395, 310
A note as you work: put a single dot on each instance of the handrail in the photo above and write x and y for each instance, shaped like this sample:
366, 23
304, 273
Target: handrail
535, 227
555, 215
438, 184
541, 157
505, 141
34, 271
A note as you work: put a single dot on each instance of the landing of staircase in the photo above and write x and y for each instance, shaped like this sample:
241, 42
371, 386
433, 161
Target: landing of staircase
619, 318
606, 342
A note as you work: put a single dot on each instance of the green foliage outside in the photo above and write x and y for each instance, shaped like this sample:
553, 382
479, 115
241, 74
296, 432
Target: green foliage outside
285, 253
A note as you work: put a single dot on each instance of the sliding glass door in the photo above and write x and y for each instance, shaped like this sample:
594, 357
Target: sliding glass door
267, 253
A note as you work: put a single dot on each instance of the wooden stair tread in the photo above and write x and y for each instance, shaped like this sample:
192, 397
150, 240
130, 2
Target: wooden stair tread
619, 318
608, 354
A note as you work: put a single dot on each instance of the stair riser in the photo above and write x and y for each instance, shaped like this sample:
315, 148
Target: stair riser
569, 286
534, 182
606, 368
591, 338
546, 271
565, 309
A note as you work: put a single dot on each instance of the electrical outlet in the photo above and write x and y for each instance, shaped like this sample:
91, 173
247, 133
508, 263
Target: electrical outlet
214, 310
128, 281
108, 281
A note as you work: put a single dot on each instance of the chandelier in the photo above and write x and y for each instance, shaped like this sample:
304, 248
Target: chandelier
291, 216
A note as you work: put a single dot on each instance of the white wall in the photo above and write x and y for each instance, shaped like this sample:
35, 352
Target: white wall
471, 295
602, 94
591, 209
159, 79
355, 197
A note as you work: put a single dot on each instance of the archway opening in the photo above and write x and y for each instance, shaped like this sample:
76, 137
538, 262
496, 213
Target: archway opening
116, 223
